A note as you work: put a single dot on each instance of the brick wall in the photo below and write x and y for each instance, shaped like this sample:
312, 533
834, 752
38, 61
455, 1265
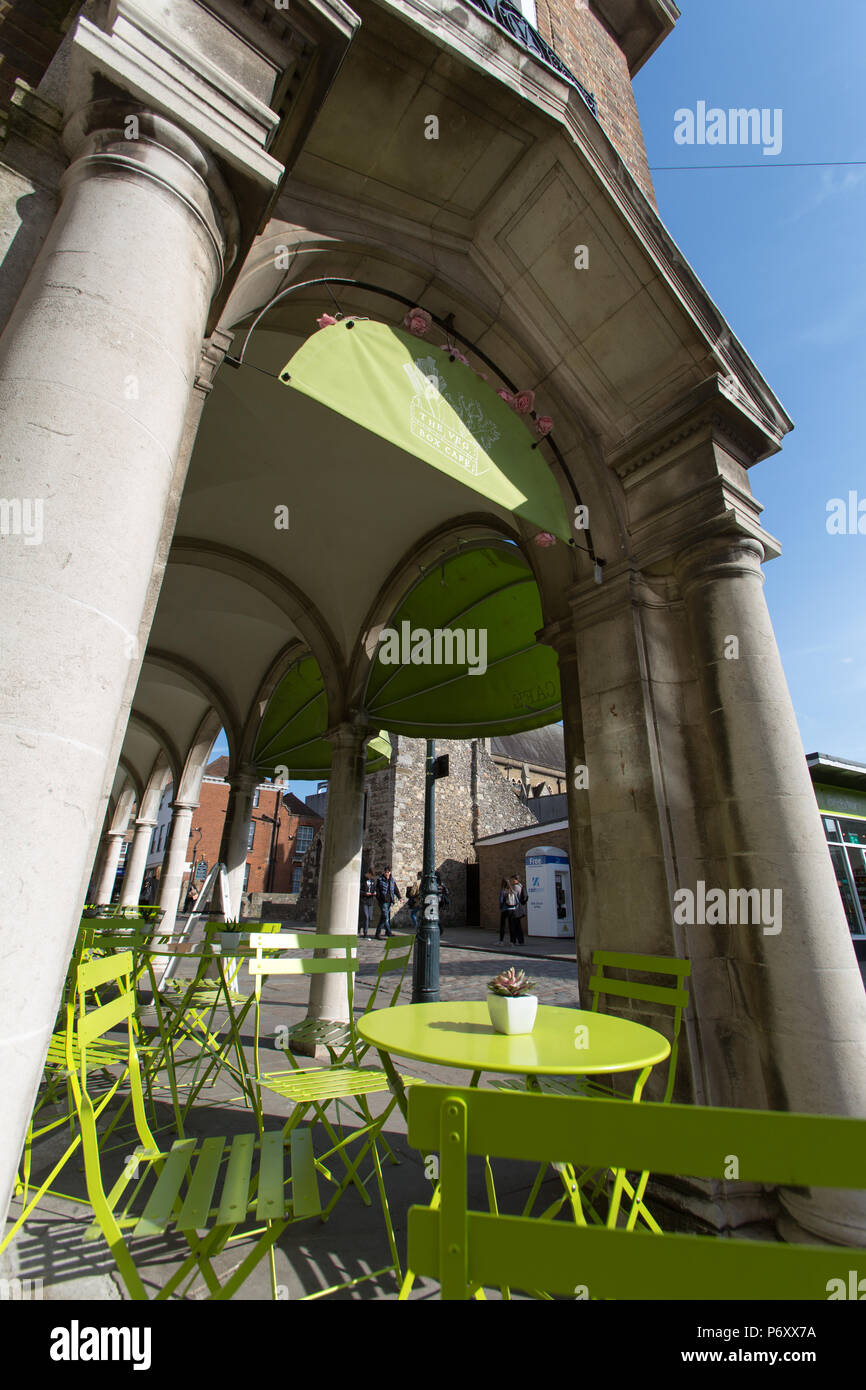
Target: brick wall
210, 818
593, 55
499, 861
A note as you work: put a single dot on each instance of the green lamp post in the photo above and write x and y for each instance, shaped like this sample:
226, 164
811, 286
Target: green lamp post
425, 969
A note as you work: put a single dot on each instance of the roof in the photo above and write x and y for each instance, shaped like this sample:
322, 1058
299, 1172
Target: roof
299, 808
836, 772
539, 747
218, 768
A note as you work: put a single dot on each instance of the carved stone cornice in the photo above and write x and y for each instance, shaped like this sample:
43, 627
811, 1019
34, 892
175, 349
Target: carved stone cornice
715, 409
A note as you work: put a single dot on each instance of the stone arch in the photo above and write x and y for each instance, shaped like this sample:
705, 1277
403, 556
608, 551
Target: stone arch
167, 756
188, 786
297, 606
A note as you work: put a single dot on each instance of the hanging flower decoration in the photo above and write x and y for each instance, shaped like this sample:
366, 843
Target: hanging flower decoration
326, 320
542, 425
544, 539
506, 396
455, 353
417, 322
523, 402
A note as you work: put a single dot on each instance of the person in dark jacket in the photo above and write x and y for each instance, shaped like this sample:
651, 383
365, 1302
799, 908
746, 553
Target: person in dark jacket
368, 897
506, 910
387, 893
519, 911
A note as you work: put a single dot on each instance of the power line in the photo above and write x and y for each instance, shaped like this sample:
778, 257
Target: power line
819, 164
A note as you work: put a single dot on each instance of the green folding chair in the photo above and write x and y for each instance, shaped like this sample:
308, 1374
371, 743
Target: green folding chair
202, 1191
342, 1040
673, 997
467, 1250
106, 1056
316, 1088
200, 1017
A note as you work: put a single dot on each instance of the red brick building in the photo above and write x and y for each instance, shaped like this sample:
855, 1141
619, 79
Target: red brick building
281, 831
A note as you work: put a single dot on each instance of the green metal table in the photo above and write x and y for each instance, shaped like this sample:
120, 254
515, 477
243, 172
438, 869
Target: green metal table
564, 1042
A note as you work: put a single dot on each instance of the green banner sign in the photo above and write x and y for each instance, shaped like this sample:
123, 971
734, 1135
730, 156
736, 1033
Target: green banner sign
412, 394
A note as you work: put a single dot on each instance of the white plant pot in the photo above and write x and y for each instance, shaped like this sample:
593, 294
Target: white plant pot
512, 1015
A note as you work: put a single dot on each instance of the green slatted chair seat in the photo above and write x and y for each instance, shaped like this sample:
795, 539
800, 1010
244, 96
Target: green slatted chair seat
320, 1032
198, 1185
327, 1083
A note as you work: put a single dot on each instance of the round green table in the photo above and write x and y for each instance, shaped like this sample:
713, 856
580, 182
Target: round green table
564, 1042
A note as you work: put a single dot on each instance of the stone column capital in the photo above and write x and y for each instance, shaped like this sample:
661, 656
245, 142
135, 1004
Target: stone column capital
126, 140
350, 734
145, 823
181, 806
245, 779
724, 556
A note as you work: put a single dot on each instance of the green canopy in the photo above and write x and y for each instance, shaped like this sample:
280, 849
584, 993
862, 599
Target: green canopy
413, 394
460, 658
475, 617
292, 731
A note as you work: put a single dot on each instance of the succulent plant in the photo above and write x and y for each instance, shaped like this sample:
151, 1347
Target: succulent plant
512, 984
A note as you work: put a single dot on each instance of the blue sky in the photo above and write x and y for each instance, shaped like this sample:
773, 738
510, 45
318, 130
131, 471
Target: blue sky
783, 254
782, 251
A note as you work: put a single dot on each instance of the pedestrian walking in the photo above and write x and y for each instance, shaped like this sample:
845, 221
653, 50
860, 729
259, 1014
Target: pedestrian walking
504, 904
519, 910
368, 897
413, 899
387, 893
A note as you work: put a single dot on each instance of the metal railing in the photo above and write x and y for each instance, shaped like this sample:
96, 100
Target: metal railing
509, 17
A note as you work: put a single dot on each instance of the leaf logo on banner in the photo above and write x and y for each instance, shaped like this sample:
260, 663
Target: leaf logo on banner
466, 447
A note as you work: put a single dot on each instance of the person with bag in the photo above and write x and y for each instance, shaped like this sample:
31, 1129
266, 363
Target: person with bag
387, 893
520, 901
413, 899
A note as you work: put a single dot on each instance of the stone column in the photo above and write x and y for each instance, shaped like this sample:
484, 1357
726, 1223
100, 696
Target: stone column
234, 845
97, 364
562, 638
786, 1000
108, 869
136, 862
340, 877
171, 878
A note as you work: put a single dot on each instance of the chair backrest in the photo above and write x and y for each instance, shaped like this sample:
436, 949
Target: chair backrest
93, 1020
233, 946
342, 961
674, 996
394, 963
464, 1249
